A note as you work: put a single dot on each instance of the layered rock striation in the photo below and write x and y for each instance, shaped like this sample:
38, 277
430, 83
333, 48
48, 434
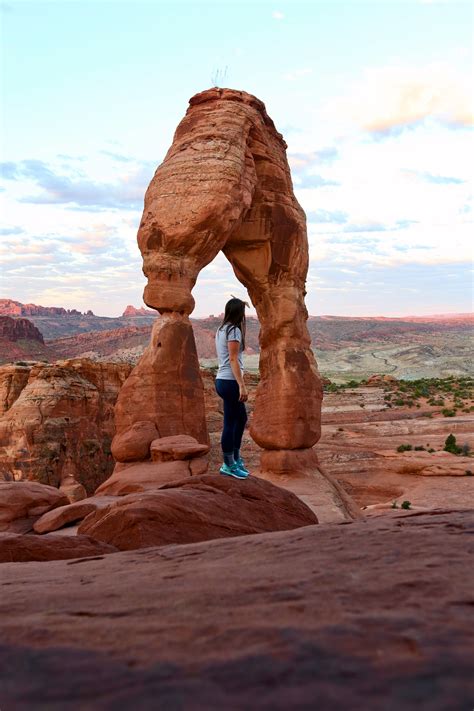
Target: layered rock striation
225, 184
57, 423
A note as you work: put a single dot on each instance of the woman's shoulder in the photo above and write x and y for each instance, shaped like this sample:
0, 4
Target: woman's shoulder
234, 334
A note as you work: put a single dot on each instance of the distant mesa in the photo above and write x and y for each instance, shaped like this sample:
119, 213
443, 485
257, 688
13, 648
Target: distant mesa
133, 311
16, 329
8, 307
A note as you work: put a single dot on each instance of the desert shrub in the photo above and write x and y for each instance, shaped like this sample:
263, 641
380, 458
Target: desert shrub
340, 429
431, 450
419, 448
406, 505
394, 505
448, 412
352, 384
468, 472
451, 446
399, 402
404, 448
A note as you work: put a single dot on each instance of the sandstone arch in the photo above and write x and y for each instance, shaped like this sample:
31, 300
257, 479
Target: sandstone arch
225, 184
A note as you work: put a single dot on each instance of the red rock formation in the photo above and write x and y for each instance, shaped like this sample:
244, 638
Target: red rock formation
13, 379
225, 185
144, 476
59, 429
18, 548
22, 503
197, 509
132, 311
8, 307
14, 329
71, 513
369, 615
165, 388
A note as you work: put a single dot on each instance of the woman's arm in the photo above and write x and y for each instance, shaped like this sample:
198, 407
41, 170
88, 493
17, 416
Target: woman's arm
233, 347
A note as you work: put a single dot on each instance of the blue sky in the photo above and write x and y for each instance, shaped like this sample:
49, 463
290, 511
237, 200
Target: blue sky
374, 99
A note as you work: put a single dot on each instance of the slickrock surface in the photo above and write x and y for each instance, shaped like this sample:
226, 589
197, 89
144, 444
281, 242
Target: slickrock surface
59, 427
22, 503
369, 615
16, 548
197, 509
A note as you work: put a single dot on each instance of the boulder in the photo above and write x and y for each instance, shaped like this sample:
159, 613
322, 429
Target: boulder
133, 443
168, 449
197, 509
72, 513
23, 502
16, 548
145, 476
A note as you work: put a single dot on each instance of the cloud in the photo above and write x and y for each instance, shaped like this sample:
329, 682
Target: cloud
277, 15
437, 179
308, 180
327, 216
11, 231
297, 74
301, 161
77, 190
119, 157
389, 99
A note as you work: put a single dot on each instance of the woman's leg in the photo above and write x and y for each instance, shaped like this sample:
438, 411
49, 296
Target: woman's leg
239, 427
228, 390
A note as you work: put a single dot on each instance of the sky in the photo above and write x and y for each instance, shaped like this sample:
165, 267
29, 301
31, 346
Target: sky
374, 99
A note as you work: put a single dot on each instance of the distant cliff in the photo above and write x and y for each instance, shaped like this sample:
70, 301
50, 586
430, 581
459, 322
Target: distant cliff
16, 329
133, 311
8, 307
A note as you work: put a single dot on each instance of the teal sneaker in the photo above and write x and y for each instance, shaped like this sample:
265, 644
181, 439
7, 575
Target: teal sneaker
241, 465
233, 471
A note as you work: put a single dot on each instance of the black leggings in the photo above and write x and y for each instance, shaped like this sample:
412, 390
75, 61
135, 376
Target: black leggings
235, 415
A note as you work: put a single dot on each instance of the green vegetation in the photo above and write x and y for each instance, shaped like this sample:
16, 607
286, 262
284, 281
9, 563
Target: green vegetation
448, 412
451, 446
406, 505
404, 448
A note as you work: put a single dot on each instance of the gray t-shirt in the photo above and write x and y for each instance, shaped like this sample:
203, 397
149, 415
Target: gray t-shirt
225, 371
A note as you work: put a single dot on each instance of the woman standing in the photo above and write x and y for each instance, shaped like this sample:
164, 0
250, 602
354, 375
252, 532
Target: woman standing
230, 386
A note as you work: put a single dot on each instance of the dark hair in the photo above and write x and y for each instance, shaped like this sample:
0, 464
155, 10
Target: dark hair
234, 316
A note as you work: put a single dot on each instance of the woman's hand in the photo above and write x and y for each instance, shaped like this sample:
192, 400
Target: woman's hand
243, 394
